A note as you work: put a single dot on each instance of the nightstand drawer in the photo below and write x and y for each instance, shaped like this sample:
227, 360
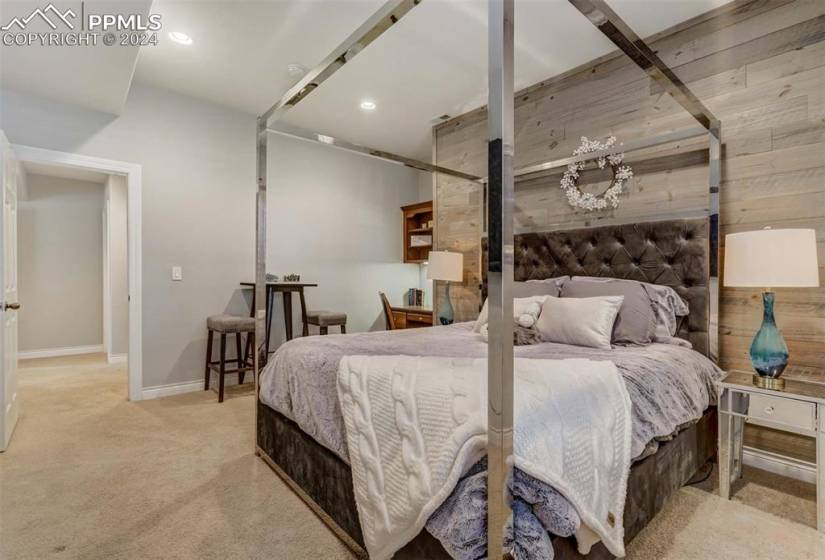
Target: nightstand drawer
789, 412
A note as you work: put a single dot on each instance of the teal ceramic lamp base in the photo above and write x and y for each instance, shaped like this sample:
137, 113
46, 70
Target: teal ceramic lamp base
445, 313
769, 353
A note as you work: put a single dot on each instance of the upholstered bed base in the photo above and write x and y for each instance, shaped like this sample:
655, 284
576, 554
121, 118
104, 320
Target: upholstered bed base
325, 482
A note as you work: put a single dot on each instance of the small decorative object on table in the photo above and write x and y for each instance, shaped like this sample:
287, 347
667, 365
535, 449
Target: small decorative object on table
779, 258
448, 267
292, 278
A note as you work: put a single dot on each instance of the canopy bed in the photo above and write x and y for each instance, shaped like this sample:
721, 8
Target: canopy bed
681, 253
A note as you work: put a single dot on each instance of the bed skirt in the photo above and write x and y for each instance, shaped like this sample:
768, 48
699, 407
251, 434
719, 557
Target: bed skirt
324, 481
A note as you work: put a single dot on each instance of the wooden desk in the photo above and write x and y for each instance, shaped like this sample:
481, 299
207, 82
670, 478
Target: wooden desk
286, 288
412, 316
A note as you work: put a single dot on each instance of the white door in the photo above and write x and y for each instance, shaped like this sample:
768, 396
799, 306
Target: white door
11, 174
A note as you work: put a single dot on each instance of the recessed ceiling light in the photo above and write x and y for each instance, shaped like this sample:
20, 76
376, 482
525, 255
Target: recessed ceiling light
181, 38
296, 70
326, 139
368, 105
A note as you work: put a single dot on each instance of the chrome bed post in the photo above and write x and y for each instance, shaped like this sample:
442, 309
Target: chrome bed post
714, 184
500, 124
260, 260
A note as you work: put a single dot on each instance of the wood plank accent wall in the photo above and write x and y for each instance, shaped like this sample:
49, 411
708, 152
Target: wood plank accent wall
759, 65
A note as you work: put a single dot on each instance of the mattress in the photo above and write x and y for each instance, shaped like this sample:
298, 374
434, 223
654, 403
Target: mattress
669, 385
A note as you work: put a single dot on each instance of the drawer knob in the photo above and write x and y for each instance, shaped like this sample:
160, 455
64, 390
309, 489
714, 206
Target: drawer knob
768, 410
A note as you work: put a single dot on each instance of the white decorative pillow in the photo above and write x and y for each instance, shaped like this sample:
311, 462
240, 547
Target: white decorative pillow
579, 321
525, 312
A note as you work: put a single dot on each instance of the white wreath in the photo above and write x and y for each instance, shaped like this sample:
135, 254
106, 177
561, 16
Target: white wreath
621, 173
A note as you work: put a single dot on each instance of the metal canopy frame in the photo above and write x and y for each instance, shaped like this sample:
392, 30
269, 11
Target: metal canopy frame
500, 193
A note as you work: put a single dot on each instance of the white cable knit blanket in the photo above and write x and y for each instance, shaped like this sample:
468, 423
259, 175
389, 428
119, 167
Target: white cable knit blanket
415, 424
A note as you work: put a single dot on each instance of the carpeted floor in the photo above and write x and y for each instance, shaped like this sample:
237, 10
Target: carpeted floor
91, 476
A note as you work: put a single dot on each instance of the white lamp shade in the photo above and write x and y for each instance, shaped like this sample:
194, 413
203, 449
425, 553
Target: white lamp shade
771, 258
445, 265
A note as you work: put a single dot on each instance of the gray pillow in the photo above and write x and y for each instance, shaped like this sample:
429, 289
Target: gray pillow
636, 321
547, 287
668, 306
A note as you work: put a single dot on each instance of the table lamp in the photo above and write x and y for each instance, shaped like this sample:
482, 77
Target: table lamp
771, 258
448, 267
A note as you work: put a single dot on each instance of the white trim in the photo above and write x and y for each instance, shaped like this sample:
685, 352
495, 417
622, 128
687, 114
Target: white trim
107, 298
191, 386
134, 194
778, 464
117, 358
64, 351
172, 389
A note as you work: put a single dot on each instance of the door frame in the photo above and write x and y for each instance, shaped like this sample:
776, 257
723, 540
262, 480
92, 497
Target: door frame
132, 171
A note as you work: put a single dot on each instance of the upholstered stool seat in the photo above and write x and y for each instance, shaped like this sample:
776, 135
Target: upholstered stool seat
230, 324
325, 319
226, 325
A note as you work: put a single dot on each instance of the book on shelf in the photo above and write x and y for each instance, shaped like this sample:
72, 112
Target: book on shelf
415, 297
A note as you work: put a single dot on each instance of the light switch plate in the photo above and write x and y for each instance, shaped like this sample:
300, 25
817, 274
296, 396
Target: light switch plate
177, 273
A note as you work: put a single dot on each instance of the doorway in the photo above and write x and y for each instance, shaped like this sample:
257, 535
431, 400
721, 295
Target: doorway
117, 218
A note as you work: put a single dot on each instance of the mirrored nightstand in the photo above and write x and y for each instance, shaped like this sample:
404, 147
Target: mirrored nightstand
799, 408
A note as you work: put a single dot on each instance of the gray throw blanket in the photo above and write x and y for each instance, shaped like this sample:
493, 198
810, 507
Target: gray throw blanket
539, 511
669, 386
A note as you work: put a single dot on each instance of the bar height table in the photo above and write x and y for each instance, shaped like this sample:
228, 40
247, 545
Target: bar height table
286, 288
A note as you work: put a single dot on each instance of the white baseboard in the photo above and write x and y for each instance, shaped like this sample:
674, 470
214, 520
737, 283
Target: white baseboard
118, 358
171, 389
65, 351
778, 464
190, 386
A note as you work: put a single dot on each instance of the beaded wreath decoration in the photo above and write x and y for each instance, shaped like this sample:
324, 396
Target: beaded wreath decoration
610, 197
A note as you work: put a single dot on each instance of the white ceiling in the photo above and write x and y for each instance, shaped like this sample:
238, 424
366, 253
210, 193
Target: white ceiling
95, 77
434, 62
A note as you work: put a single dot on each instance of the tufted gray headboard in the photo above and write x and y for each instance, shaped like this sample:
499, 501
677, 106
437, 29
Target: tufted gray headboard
672, 253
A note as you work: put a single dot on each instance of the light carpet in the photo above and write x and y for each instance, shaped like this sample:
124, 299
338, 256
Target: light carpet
91, 476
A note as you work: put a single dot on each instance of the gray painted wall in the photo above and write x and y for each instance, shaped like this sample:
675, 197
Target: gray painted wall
198, 205
60, 264
335, 219
199, 212
116, 197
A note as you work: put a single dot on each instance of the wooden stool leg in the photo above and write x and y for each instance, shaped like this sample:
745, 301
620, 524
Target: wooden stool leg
343, 329
239, 354
305, 328
208, 359
248, 349
270, 301
324, 330
288, 314
222, 367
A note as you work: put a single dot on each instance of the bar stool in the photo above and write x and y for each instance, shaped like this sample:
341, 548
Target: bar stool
224, 325
326, 319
